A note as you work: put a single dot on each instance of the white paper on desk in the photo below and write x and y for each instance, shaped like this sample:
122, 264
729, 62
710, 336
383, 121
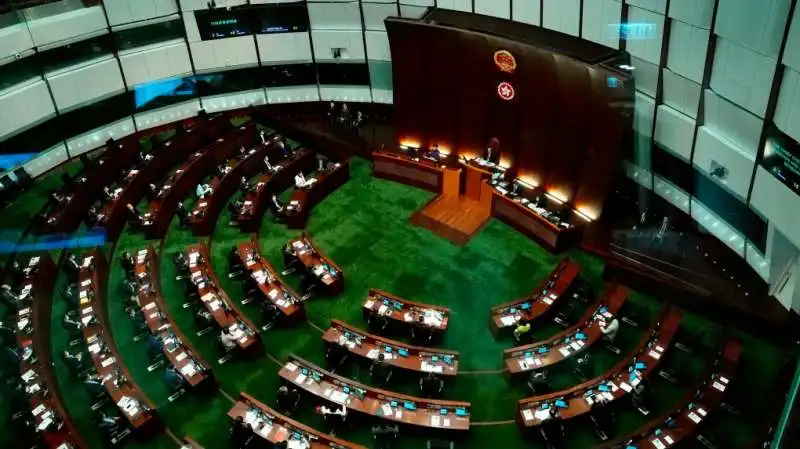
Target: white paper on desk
94, 348
408, 317
669, 439
654, 355
327, 393
723, 379
107, 362
83, 294
436, 420
564, 352
541, 415
300, 378
21, 324
386, 409
291, 367
243, 340
188, 370
373, 354
85, 320
382, 309
527, 415
24, 311
150, 306
369, 303
38, 410
693, 416
273, 293
86, 282
339, 397
608, 395
657, 443
522, 364
264, 431
718, 386
576, 345
208, 297
625, 387
33, 261
589, 400
701, 412
547, 300
214, 305
508, 320
537, 361
45, 424
30, 374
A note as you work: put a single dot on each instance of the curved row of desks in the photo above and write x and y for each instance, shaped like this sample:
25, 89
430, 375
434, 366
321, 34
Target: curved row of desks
406, 313
268, 280
206, 210
275, 428
114, 213
183, 179
571, 341
304, 199
387, 405
176, 347
397, 354
685, 419
224, 310
538, 303
611, 386
131, 401
272, 183
303, 249
50, 417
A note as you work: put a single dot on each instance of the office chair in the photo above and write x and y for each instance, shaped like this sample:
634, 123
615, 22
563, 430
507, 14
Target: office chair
377, 323
271, 315
539, 382
584, 367
335, 356
381, 370
421, 335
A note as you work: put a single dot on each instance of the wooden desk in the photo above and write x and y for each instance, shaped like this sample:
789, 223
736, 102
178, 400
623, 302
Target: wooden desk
528, 222
272, 287
406, 313
419, 172
186, 177
328, 273
539, 302
304, 199
567, 344
689, 415
618, 381
168, 155
66, 217
475, 174
399, 355
274, 427
216, 301
206, 211
257, 201
36, 365
176, 347
130, 399
329, 387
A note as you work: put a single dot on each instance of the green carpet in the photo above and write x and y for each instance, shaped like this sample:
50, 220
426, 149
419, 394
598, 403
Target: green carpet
364, 227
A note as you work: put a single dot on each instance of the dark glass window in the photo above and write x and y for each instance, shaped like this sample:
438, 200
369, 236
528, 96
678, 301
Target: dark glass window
289, 75
280, 18
34, 140
18, 71
781, 157
160, 93
228, 81
672, 168
149, 34
344, 74
76, 53
220, 23
96, 115
731, 210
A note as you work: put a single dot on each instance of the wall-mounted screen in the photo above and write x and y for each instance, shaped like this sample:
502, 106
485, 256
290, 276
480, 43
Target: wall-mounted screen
222, 23
280, 18
162, 93
782, 158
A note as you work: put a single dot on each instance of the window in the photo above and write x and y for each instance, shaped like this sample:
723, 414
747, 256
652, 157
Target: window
343, 74
18, 71
675, 170
160, 93
150, 34
95, 115
290, 75
76, 53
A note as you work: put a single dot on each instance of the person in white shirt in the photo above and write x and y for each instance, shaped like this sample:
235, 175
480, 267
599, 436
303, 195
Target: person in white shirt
276, 204
610, 330
267, 166
300, 180
227, 339
203, 190
263, 136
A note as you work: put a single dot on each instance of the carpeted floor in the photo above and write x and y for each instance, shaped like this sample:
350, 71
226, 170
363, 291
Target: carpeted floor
364, 227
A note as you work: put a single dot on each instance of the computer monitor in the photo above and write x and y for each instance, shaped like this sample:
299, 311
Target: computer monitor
393, 403
580, 336
388, 349
512, 310
527, 354
346, 389
545, 406
442, 411
461, 411
409, 405
640, 365
603, 388
525, 306
403, 352
560, 403
304, 371
543, 349
435, 358
448, 360
397, 305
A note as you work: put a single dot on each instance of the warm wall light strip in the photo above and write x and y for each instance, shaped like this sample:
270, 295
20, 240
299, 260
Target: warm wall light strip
524, 183
554, 198
582, 215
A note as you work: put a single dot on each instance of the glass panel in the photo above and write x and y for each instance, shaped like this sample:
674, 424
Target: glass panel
280, 18
18, 72
75, 53
228, 81
343, 74
157, 94
149, 34
289, 75
380, 74
95, 115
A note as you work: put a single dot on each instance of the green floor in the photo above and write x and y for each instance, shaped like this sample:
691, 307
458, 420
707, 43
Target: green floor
364, 228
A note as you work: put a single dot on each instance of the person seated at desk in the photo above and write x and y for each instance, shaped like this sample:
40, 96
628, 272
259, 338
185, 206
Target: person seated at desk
234, 261
223, 169
640, 396
276, 206
183, 214
109, 423
601, 417
434, 153
244, 186
241, 433
268, 167
75, 362
152, 192
301, 182
490, 154
539, 382
552, 430
287, 399
135, 218
235, 208
143, 157
58, 197
93, 215
323, 164
263, 136
284, 149
174, 380
203, 190
521, 329
128, 264
109, 194
431, 385
381, 369
339, 416
610, 330
227, 339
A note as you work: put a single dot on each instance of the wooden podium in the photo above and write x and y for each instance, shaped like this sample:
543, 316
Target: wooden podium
454, 216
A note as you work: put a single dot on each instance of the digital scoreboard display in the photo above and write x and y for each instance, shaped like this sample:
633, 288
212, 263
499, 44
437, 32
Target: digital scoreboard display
223, 23
782, 158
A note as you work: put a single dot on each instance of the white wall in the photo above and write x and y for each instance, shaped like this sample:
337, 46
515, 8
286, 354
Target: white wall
325, 41
25, 106
168, 114
68, 26
127, 11
562, 15
155, 62
237, 100
284, 48
86, 83
297, 94
224, 54
14, 39
96, 138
